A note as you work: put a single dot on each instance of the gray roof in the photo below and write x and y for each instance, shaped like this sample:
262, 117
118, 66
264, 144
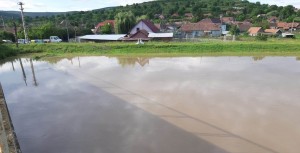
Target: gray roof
103, 37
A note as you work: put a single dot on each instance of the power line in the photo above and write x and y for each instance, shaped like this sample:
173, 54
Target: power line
3, 24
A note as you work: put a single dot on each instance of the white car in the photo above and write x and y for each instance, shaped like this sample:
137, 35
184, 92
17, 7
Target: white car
7, 41
55, 39
22, 41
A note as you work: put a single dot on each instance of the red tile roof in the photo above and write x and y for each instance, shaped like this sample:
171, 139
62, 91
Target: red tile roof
140, 34
210, 20
273, 31
111, 22
254, 30
101, 24
286, 26
227, 19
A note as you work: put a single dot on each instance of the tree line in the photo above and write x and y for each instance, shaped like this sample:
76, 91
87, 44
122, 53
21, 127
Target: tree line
81, 22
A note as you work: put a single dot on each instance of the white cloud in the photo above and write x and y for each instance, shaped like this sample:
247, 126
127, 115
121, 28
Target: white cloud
78, 5
8, 5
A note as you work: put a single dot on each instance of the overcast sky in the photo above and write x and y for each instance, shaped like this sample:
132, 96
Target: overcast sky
84, 5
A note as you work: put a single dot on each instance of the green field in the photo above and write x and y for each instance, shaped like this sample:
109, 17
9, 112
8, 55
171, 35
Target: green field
272, 47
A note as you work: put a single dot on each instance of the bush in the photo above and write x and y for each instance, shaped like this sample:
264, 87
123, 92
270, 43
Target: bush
261, 38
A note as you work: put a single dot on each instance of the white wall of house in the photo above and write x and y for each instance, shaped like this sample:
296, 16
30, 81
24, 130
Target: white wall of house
223, 27
216, 33
195, 34
253, 34
142, 26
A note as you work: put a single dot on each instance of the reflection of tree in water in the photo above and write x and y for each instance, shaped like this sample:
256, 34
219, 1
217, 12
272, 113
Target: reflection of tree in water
258, 58
298, 58
131, 61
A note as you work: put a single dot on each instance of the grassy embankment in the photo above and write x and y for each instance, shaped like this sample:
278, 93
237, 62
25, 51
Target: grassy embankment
272, 47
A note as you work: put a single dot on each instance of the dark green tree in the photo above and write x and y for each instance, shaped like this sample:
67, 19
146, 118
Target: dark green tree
106, 29
124, 22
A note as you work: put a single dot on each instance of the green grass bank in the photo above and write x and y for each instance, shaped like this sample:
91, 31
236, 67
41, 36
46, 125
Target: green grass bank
254, 48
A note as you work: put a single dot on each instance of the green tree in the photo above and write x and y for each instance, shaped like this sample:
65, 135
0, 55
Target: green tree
143, 17
106, 29
234, 30
124, 22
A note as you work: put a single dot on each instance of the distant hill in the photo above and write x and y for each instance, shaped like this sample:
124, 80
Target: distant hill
168, 11
16, 14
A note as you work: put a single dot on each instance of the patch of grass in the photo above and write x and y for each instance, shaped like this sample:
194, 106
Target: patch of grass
272, 47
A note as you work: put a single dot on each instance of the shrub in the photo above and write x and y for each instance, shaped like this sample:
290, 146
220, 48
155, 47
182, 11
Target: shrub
261, 37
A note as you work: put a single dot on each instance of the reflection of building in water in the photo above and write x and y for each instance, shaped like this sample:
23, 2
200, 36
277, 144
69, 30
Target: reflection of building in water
33, 74
131, 61
258, 58
24, 75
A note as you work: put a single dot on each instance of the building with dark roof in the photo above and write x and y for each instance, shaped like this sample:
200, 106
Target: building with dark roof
146, 25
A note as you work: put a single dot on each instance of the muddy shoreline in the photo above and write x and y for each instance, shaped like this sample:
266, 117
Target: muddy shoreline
8, 141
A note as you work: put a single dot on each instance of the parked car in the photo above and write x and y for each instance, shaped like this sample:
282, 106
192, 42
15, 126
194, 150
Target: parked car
7, 41
53, 39
23, 41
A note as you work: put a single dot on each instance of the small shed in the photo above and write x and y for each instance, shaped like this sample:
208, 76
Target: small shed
288, 35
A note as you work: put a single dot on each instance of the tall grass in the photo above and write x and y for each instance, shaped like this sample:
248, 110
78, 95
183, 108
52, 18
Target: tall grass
270, 47
7, 51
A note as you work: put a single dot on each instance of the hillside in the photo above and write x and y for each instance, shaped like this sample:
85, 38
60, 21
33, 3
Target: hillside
43, 24
16, 14
172, 10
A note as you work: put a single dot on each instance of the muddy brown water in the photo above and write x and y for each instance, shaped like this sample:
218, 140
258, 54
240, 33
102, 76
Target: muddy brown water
155, 105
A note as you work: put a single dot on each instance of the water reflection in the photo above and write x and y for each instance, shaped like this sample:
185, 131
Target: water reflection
258, 58
33, 73
131, 61
12, 64
173, 105
23, 72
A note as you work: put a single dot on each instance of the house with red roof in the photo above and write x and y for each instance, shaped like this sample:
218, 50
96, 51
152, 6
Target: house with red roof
101, 24
288, 26
274, 32
255, 31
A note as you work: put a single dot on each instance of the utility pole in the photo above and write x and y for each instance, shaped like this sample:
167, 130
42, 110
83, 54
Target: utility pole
24, 26
16, 33
3, 24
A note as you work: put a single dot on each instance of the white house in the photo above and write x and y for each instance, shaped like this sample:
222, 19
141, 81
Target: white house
144, 25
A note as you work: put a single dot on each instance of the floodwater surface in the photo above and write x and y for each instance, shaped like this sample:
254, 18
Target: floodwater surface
155, 105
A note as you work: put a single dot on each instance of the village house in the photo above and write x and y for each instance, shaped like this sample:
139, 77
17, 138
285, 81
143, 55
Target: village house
145, 30
255, 31
211, 20
146, 25
227, 20
201, 29
217, 21
273, 32
138, 35
243, 26
273, 19
284, 26
101, 24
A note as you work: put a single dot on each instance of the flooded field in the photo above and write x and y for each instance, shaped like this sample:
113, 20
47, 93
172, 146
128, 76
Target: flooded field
155, 105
